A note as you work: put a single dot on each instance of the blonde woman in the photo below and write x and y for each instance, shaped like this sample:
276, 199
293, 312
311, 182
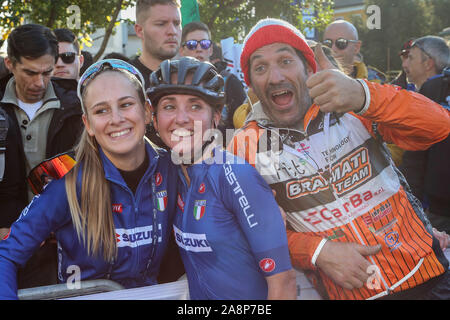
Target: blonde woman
111, 212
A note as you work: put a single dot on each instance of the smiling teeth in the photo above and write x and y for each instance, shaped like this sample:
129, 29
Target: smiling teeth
119, 134
280, 93
182, 133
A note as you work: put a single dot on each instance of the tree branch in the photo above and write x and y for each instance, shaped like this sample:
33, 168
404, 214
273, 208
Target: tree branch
52, 15
109, 30
231, 4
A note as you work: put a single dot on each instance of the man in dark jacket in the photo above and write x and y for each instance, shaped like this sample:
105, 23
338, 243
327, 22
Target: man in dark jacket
43, 118
158, 25
428, 171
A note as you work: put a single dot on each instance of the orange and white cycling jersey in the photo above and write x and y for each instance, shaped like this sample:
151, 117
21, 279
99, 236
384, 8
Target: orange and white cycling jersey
337, 181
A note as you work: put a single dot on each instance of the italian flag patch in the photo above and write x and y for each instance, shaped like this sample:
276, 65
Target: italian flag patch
199, 209
161, 200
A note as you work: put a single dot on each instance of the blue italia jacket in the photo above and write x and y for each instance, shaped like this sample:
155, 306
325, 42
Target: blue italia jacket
229, 229
142, 221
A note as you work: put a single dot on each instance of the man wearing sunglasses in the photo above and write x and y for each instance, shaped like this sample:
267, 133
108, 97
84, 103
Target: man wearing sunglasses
342, 37
44, 119
196, 42
70, 59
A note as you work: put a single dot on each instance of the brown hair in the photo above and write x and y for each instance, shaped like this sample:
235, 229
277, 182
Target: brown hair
143, 7
194, 26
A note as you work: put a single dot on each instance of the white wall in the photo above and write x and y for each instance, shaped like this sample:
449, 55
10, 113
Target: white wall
123, 41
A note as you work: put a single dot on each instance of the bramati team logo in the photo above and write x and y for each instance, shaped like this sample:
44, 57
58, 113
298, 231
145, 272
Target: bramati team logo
199, 209
161, 200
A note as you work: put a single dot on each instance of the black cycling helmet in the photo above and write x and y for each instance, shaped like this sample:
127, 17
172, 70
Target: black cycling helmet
206, 82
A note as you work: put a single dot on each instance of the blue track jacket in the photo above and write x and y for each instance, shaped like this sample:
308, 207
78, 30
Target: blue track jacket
229, 229
141, 239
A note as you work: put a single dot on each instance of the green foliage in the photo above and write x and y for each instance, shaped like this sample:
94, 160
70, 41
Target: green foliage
439, 13
224, 17
54, 14
400, 21
234, 18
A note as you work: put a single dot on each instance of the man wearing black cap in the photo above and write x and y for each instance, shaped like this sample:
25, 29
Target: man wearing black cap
428, 172
401, 80
427, 57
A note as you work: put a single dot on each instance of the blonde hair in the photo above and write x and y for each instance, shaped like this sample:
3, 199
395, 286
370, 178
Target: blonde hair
92, 215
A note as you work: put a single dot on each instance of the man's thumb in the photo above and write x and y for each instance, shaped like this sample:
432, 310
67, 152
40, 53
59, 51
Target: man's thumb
369, 250
323, 62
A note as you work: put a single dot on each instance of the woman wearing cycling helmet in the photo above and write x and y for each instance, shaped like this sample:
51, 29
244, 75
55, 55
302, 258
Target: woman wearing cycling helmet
228, 226
111, 212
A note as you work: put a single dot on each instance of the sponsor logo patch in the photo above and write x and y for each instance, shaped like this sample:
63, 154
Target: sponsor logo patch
267, 265
158, 179
199, 209
180, 202
348, 174
391, 240
161, 200
135, 237
193, 242
117, 208
376, 215
243, 201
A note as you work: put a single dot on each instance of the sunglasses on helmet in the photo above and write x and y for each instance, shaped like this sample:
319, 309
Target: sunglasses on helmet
102, 65
50, 169
340, 43
421, 47
193, 44
67, 57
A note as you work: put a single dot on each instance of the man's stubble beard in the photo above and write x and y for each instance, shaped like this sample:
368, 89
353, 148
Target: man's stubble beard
162, 54
296, 122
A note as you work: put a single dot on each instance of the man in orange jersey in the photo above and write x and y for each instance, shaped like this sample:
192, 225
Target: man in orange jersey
318, 140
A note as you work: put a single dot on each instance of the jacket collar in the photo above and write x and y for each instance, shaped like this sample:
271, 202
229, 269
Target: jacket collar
11, 97
113, 174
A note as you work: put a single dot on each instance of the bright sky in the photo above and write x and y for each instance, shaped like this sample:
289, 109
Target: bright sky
129, 13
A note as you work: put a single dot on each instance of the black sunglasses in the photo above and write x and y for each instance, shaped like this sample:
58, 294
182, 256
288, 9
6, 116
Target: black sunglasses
67, 57
192, 44
340, 43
